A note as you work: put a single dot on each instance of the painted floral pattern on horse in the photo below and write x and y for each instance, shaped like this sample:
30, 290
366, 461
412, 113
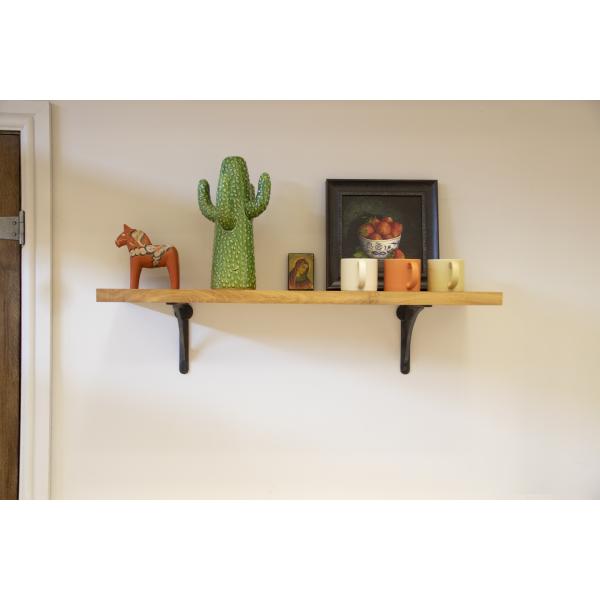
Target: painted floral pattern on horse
151, 249
144, 254
236, 205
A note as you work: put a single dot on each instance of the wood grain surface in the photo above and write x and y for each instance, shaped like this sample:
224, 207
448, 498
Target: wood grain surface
299, 297
10, 319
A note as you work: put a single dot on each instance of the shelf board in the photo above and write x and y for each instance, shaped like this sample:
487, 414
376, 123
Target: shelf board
231, 296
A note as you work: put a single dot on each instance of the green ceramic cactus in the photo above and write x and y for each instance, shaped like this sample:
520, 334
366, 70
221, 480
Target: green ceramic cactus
236, 206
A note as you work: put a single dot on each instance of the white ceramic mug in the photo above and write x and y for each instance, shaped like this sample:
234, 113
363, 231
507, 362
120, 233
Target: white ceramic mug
358, 274
446, 275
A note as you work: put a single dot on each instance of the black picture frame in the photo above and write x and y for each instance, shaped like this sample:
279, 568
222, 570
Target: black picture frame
417, 193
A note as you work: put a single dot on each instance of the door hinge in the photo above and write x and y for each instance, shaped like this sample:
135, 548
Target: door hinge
13, 228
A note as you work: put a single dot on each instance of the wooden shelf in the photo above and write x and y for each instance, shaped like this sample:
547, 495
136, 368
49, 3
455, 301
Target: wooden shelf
300, 297
409, 305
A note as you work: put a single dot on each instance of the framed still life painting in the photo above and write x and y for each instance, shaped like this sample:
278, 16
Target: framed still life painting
380, 218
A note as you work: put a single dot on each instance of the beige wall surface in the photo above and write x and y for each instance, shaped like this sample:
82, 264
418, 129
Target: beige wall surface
308, 401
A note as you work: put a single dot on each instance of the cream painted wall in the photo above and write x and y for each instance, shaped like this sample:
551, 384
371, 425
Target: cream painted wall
308, 401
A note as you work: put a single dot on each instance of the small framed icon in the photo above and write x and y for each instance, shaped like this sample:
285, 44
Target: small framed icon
301, 271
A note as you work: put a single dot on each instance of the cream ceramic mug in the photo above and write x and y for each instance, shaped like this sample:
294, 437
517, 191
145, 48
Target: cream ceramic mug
446, 275
358, 274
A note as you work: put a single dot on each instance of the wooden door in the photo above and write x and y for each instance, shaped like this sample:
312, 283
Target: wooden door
10, 318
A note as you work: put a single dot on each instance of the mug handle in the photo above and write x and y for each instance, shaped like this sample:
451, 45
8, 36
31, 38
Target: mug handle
454, 274
413, 277
362, 274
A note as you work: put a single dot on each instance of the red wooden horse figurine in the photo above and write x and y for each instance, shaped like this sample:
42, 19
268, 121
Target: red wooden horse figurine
144, 254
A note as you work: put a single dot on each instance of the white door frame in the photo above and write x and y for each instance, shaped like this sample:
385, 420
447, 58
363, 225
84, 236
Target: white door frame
32, 120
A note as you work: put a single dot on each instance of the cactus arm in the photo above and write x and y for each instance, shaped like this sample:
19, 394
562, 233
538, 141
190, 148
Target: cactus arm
255, 207
207, 208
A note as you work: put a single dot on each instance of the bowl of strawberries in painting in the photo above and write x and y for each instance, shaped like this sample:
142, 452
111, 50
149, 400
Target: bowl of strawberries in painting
380, 237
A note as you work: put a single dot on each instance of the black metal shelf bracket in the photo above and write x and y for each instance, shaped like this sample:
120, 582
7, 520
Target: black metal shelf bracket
183, 313
407, 315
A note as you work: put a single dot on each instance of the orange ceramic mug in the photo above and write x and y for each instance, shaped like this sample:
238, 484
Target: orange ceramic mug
402, 274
